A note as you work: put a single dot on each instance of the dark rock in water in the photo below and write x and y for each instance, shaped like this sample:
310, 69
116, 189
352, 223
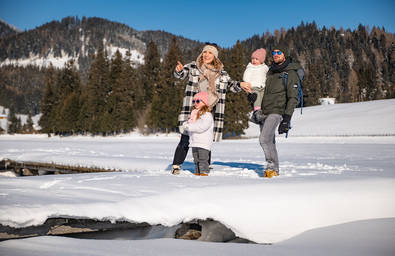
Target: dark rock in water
191, 235
215, 231
208, 231
188, 231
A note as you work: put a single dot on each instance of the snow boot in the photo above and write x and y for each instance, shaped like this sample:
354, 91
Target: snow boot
175, 169
270, 173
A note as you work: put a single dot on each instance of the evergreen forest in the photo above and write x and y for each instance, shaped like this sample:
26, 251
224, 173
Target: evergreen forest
113, 96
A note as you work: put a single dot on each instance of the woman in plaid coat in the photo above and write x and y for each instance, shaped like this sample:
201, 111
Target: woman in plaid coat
204, 74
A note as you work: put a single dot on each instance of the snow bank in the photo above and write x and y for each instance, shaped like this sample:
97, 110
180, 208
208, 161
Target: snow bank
362, 238
264, 211
369, 118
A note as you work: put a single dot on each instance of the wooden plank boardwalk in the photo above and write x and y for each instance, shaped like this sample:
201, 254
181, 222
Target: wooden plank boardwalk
26, 168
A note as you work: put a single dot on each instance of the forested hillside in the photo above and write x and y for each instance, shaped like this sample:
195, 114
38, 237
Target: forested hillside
109, 93
347, 65
79, 39
28, 54
6, 29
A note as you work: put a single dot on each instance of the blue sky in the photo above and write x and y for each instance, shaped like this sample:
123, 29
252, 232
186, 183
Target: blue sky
220, 21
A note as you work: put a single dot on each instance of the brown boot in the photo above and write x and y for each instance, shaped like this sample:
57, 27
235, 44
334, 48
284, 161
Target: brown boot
270, 173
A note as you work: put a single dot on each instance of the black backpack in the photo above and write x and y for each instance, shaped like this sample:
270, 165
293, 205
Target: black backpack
300, 72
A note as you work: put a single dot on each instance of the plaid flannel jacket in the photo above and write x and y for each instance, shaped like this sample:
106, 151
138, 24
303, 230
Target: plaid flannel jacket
223, 83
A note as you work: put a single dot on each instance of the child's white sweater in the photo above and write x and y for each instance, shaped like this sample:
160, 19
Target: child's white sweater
201, 132
256, 75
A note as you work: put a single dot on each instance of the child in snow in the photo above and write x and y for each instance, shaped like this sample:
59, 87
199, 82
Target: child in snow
200, 128
255, 74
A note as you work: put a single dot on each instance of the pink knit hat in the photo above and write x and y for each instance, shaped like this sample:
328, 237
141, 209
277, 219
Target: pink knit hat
203, 96
260, 54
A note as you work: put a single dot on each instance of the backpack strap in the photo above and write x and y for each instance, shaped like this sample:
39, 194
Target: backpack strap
300, 93
285, 79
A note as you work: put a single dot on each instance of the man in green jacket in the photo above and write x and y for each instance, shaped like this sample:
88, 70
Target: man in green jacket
278, 105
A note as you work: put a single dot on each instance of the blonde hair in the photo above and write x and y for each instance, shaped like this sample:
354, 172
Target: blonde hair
216, 63
203, 110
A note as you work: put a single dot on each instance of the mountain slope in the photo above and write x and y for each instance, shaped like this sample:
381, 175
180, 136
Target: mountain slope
78, 39
7, 29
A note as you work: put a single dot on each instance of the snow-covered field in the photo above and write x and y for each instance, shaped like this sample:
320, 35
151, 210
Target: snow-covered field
335, 194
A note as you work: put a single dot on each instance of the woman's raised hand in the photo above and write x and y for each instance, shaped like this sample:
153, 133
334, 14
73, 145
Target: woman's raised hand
179, 66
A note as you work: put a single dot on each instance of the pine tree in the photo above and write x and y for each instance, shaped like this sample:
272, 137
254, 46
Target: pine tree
176, 87
149, 80
68, 110
113, 111
122, 97
14, 123
151, 70
129, 88
367, 90
237, 106
95, 96
168, 94
311, 86
48, 109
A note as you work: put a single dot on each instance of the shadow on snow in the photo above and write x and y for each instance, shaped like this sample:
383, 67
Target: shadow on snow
258, 168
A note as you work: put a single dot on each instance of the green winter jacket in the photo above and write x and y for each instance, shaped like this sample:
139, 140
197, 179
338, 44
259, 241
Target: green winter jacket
274, 98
